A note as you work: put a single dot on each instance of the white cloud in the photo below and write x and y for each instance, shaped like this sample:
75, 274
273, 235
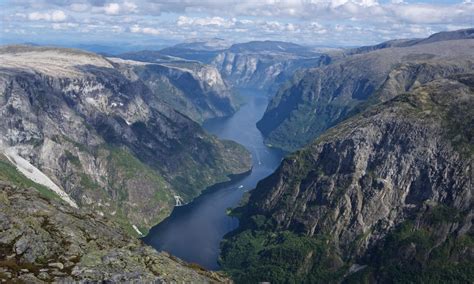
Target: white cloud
54, 16
64, 26
319, 21
79, 7
144, 30
58, 16
112, 9
207, 21
120, 8
429, 14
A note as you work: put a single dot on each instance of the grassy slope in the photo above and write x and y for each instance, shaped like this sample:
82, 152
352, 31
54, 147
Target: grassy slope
8, 172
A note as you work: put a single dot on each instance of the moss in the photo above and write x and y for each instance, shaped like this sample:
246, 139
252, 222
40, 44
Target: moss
444, 214
92, 258
72, 158
87, 183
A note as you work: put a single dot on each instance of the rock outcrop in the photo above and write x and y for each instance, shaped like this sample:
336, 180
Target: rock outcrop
193, 88
264, 65
383, 196
44, 240
98, 132
261, 65
319, 98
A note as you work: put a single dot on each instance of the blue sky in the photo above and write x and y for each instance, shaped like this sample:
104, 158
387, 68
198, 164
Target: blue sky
312, 22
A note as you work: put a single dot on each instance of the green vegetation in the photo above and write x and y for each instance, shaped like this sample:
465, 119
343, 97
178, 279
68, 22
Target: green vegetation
283, 257
73, 158
8, 172
411, 254
128, 173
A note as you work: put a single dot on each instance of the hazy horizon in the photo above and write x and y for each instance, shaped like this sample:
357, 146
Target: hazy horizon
130, 24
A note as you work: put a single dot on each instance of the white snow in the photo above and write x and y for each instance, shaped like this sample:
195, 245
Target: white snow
136, 229
36, 175
91, 101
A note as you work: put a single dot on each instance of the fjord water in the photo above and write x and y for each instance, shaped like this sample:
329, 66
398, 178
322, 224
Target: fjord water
193, 232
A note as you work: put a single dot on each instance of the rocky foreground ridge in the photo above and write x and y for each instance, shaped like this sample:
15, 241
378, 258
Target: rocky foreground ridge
90, 129
43, 240
385, 196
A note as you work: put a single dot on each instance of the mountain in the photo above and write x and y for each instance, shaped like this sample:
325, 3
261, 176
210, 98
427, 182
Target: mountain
260, 65
212, 44
264, 65
43, 240
195, 89
441, 36
201, 50
384, 196
319, 98
92, 131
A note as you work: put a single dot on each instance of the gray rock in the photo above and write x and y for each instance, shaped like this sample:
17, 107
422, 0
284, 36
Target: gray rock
318, 98
389, 188
58, 265
112, 256
103, 136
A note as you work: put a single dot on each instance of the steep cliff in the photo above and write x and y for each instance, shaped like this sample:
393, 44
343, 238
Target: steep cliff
193, 88
92, 130
318, 98
43, 240
383, 196
263, 65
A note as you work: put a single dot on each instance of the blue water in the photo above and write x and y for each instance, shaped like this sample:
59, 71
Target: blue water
193, 232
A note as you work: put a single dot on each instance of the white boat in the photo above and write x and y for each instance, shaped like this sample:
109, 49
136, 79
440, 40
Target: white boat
241, 186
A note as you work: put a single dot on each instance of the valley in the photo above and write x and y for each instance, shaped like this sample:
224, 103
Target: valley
193, 232
262, 161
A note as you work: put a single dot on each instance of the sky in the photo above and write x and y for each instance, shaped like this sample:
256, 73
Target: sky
164, 22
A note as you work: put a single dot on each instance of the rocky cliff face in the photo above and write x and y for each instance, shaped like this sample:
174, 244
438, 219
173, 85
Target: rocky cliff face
319, 98
97, 132
383, 196
194, 89
43, 240
263, 65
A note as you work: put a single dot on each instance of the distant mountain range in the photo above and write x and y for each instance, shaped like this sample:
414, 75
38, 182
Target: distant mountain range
260, 65
319, 98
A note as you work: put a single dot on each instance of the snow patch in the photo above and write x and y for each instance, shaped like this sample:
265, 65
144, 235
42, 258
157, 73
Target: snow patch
91, 101
36, 175
136, 229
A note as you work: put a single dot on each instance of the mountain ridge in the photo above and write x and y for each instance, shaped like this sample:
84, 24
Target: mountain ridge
385, 195
104, 137
318, 98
